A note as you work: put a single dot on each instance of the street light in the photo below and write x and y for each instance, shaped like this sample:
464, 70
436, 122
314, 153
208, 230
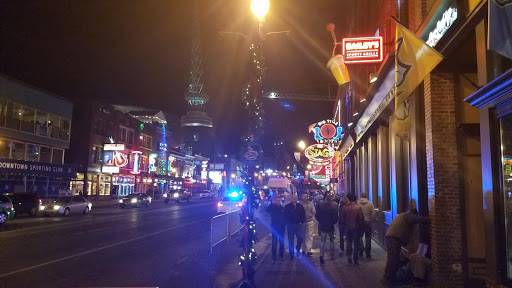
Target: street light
260, 8
309, 166
233, 175
302, 145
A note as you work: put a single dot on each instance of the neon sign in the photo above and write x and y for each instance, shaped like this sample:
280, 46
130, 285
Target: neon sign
327, 132
136, 156
449, 16
319, 154
362, 50
152, 162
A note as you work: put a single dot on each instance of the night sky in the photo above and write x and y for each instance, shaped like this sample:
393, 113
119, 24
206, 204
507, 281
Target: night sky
137, 53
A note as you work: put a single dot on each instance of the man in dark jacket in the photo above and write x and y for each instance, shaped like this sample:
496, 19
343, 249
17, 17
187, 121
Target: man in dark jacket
296, 216
277, 222
352, 219
398, 235
327, 216
343, 201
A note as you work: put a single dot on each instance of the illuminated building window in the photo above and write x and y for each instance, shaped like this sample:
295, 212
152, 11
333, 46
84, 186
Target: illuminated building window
196, 137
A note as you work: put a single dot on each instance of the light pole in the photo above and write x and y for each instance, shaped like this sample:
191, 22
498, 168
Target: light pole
302, 145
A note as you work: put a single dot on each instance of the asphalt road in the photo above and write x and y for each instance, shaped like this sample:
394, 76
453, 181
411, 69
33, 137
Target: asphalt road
159, 246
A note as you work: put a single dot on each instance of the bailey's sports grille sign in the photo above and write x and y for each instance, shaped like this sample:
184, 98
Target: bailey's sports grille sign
34, 168
362, 50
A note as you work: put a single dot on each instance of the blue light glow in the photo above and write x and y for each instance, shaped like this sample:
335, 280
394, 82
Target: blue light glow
234, 194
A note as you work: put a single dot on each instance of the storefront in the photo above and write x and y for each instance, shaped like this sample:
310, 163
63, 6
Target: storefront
44, 179
495, 103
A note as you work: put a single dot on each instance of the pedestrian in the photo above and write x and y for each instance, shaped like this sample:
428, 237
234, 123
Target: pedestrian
369, 216
295, 216
398, 235
319, 196
309, 225
327, 216
337, 198
341, 228
352, 219
277, 223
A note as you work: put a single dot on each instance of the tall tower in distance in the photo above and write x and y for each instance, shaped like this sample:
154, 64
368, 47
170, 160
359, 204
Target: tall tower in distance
197, 125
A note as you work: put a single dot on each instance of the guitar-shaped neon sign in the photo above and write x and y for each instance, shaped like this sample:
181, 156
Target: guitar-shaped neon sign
119, 158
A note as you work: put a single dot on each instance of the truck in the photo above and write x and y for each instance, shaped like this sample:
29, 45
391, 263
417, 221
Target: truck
280, 186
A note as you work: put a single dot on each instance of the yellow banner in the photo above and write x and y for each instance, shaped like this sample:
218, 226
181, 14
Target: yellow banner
414, 60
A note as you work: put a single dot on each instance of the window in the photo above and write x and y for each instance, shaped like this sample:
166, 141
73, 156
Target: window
28, 119
54, 126
5, 149
65, 130
42, 123
32, 153
45, 154
100, 127
13, 116
17, 151
143, 163
506, 162
97, 154
126, 135
78, 199
3, 109
147, 141
57, 156
4, 199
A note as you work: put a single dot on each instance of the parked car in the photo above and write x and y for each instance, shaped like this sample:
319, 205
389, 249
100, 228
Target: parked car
135, 200
178, 195
6, 209
207, 194
229, 204
66, 205
25, 203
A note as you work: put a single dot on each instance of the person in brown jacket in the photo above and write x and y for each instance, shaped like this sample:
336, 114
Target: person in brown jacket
398, 235
343, 201
352, 219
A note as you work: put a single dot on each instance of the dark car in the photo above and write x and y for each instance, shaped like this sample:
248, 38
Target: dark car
26, 203
135, 200
6, 209
180, 195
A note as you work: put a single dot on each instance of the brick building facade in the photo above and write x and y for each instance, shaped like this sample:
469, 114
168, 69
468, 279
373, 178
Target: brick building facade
439, 167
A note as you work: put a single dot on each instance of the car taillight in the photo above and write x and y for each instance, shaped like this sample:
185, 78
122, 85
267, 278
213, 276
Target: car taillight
220, 204
40, 202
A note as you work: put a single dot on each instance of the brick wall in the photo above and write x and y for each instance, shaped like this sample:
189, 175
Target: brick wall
443, 180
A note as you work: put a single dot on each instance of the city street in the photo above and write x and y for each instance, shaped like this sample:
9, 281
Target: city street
162, 245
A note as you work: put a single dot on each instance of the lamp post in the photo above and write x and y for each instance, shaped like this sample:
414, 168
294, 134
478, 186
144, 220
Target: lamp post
302, 145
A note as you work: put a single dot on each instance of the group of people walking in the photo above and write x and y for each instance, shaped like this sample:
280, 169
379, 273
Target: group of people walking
353, 217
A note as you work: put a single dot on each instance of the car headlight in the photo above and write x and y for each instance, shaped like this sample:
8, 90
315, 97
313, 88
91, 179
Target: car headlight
165, 195
176, 195
134, 200
56, 207
220, 204
120, 201
42, 207
149, 199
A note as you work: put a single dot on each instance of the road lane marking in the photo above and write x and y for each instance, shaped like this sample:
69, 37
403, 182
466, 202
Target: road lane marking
100, 248
88, 231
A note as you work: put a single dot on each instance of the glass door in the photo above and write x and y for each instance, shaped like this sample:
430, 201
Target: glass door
506, 175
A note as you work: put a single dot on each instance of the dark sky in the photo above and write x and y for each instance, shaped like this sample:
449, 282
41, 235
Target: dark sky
137, 53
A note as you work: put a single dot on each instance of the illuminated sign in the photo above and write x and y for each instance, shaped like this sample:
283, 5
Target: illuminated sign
110, 169
136, 156
327, 132
320, 154
169, 162
362, 50
152, 162
113, 147
446, 21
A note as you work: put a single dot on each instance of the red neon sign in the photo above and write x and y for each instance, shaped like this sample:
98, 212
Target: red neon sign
362, 50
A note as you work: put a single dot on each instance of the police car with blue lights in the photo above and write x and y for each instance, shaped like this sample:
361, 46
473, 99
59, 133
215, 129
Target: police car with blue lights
232, 202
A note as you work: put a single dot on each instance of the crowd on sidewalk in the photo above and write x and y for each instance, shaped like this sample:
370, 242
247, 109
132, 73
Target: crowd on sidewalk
354, 218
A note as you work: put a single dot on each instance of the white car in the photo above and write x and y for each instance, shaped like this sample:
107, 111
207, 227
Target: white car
228, 205
206, 194
67, 205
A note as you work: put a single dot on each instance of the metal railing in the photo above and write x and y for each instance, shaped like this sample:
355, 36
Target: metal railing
223, 227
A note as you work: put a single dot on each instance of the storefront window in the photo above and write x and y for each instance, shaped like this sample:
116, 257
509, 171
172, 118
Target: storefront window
45, 154
13, 116
3, 109
28, 119
506, 154
42, 123
18, 151
54, 126
4, 149
57, 155
65, 130
32, 152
